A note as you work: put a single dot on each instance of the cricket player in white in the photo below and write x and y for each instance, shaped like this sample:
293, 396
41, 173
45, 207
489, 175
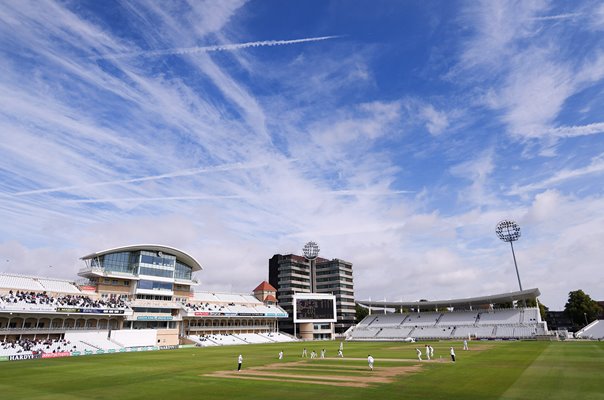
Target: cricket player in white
452, 354
239, 362
428, 352
304, 354
431, 351
281, 355
465, 345
419, 353
370, 361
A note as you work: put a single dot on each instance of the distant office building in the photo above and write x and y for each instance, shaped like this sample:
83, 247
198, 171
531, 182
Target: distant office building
291, 274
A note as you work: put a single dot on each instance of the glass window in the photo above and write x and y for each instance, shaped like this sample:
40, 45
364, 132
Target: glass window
154, 285
165, 273
183, 271
166, 260
118, 262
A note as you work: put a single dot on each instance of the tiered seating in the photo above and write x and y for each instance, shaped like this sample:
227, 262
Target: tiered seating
225, 340
206, 297
524, 331
504, 331
422, 319
261, 308
595, 330
364, 333
19, 282
239, 308
278, 337
392, 333
503, 324
368, 320
59, 286
474, 331
229, 303
387, 320
252, 338
458, 318
93, 340
233, 298
202, 341
29, 300
28, 346
432, 332
507, 316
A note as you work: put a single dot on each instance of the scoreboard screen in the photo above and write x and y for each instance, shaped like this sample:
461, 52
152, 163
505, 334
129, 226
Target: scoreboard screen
314, 308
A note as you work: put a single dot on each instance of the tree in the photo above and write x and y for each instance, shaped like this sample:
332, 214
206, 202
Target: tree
361, 312
508, 304
581, 309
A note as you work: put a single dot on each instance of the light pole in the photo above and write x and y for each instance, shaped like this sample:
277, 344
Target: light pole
311, 252
509, 231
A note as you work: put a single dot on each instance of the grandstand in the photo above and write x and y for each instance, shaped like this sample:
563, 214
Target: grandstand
134, 297
595, 330
460, 318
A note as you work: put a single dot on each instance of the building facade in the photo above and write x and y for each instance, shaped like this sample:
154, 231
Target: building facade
291, 274
138, 288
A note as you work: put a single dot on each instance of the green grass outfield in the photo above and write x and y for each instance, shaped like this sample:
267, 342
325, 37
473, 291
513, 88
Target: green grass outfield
490, 370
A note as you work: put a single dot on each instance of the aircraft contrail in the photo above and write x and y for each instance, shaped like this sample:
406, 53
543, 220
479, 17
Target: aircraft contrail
175, 174
207, 49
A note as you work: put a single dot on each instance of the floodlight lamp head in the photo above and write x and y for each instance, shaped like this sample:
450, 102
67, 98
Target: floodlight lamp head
508, 231
311, 250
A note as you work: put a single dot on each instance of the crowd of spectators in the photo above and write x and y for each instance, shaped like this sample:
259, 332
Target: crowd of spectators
36, 346
204, 307
114, 301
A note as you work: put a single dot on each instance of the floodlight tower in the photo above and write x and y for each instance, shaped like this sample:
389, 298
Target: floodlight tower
509, 231
311, 252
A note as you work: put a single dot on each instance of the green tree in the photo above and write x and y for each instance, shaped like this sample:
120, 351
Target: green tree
581, 309
508, 304
361, 312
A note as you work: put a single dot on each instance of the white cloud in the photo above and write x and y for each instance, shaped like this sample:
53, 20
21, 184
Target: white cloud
436, 121
531, 78
596, 166
574, 131
498, 25
478, 171
121, 151
597, 18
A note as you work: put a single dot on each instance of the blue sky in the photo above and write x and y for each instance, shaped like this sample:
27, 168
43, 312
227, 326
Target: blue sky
395, 134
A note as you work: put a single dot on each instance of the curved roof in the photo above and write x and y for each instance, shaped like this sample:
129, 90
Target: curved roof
180, 255
471, 301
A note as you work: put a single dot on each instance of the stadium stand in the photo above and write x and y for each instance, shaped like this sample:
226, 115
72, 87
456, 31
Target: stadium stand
507, 316
252, 338
130, 298
516, 323
279, 337
93, 340
422, 319
595, 330
393, 333
456, 318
